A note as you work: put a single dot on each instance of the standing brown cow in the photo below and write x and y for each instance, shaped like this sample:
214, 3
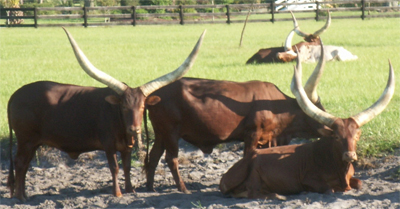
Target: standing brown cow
322, 166
209, 112
77, 119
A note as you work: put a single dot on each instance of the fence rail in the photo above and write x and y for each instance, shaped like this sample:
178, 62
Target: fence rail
187, 14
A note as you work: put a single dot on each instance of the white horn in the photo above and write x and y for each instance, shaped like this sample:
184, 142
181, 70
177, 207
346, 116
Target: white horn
155, 84
297, 28
326, 26
92, 71
368, 114
312, 82
288, 42
304, 102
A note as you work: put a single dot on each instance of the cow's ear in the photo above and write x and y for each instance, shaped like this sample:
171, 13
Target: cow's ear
114, 100
152, 100
325, 132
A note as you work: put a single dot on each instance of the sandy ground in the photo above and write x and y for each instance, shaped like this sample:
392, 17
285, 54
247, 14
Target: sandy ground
60, 182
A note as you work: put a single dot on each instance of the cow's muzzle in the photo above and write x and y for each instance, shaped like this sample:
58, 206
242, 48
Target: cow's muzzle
349, 157
136, 134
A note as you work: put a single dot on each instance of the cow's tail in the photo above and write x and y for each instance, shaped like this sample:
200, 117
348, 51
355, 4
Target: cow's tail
146, 159
233, 181
11, 178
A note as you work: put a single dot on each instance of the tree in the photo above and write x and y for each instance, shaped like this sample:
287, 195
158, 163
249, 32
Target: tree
14, 4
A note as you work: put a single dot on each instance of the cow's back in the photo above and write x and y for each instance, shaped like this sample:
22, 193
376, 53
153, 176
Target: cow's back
267, 55
209, 112
59, 115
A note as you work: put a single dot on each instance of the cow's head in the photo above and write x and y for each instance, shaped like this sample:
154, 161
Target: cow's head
290, 53
346, 131
132, 100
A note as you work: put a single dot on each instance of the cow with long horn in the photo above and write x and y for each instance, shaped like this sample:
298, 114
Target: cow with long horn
209, 112
310, 53
322, 166
77, 119
288, 53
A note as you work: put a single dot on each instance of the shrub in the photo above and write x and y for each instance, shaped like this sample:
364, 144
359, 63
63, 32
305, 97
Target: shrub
34, 5
141, 11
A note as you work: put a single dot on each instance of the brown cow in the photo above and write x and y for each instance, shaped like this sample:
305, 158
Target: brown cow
288, 52
77, 119
292, 169
322, 166
209, 112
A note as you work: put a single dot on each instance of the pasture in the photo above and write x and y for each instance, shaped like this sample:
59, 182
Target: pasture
136, 55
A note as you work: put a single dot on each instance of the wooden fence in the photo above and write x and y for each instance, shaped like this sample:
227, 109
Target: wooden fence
188, 14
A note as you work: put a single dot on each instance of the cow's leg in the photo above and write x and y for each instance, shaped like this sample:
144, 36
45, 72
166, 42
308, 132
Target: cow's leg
151, 164
25, 153
255, 190
251, 141
113, 164
126, 163
172, 159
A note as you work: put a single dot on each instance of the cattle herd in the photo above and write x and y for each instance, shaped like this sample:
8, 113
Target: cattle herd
205, 113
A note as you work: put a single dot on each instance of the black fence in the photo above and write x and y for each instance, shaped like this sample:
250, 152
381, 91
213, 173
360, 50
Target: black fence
189, 14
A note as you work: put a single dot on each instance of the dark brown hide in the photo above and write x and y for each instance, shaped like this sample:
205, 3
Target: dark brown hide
74, 119
78, 119
276, 54
209, 112
313, 167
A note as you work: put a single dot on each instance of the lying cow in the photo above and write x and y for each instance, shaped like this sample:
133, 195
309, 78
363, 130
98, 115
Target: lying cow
78, 119
288, 53
292, 169
323, 166
311, 53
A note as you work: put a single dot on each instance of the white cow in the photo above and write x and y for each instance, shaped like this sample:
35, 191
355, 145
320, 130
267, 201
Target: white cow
311, 53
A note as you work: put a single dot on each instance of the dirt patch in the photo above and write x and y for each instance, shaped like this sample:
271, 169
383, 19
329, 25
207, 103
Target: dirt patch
59, 182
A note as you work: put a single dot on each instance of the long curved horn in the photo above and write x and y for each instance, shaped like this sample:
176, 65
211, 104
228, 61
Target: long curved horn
312, 82
288, 42
326, 26
164, 80
305, 104
374, 110
316, 33
297, 28
92, 71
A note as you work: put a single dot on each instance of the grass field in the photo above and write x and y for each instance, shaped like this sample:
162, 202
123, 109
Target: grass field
136, 55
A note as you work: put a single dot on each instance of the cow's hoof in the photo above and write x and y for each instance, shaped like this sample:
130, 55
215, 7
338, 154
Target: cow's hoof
20, 199
130, 190
280, 197
151, 190
118, 194
187, 191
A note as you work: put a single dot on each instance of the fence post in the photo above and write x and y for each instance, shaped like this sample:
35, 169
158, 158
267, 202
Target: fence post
35, 16
317, 11
228, 14
362, 9
85, 17
181, 14
133, 15
273, 11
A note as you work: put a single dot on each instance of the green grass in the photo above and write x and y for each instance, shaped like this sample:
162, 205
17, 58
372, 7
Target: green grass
136, 55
